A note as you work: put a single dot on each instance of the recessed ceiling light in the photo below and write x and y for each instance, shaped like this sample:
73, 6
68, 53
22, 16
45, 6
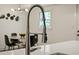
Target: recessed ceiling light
26, 10
19, 9
12, 9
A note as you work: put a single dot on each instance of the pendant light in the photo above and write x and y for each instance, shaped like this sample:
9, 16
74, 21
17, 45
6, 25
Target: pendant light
19, 9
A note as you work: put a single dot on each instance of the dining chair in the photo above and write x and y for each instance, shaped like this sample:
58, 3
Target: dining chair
8, 43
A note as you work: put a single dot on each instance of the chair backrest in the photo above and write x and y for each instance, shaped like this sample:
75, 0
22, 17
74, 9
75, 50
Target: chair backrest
33, 39
7, 40
36, 38
13, 34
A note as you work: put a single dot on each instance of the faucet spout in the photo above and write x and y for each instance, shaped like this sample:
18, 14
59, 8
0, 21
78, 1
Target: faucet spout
27, 50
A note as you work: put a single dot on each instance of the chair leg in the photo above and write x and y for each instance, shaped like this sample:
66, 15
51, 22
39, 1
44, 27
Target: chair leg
18, 45
8, 48
13, 47
5, 48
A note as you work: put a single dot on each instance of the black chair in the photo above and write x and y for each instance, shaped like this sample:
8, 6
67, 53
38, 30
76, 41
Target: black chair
33, 39
8, 43
15, 40
36, 38
13, 34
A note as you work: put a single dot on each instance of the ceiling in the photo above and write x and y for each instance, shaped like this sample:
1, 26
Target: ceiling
19, 5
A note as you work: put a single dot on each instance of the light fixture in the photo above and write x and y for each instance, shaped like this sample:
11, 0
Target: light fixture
19, 9
12, 9
26, 10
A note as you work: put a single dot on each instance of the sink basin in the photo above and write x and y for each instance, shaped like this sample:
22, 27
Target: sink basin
58, 53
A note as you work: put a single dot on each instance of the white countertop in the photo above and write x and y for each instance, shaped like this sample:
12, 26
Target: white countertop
67, 47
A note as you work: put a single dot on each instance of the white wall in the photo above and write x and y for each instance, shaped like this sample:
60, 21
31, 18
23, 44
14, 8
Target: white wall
63, 23
77, 11
11, 26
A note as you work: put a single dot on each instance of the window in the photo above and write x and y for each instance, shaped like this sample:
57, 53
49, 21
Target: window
48, 20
